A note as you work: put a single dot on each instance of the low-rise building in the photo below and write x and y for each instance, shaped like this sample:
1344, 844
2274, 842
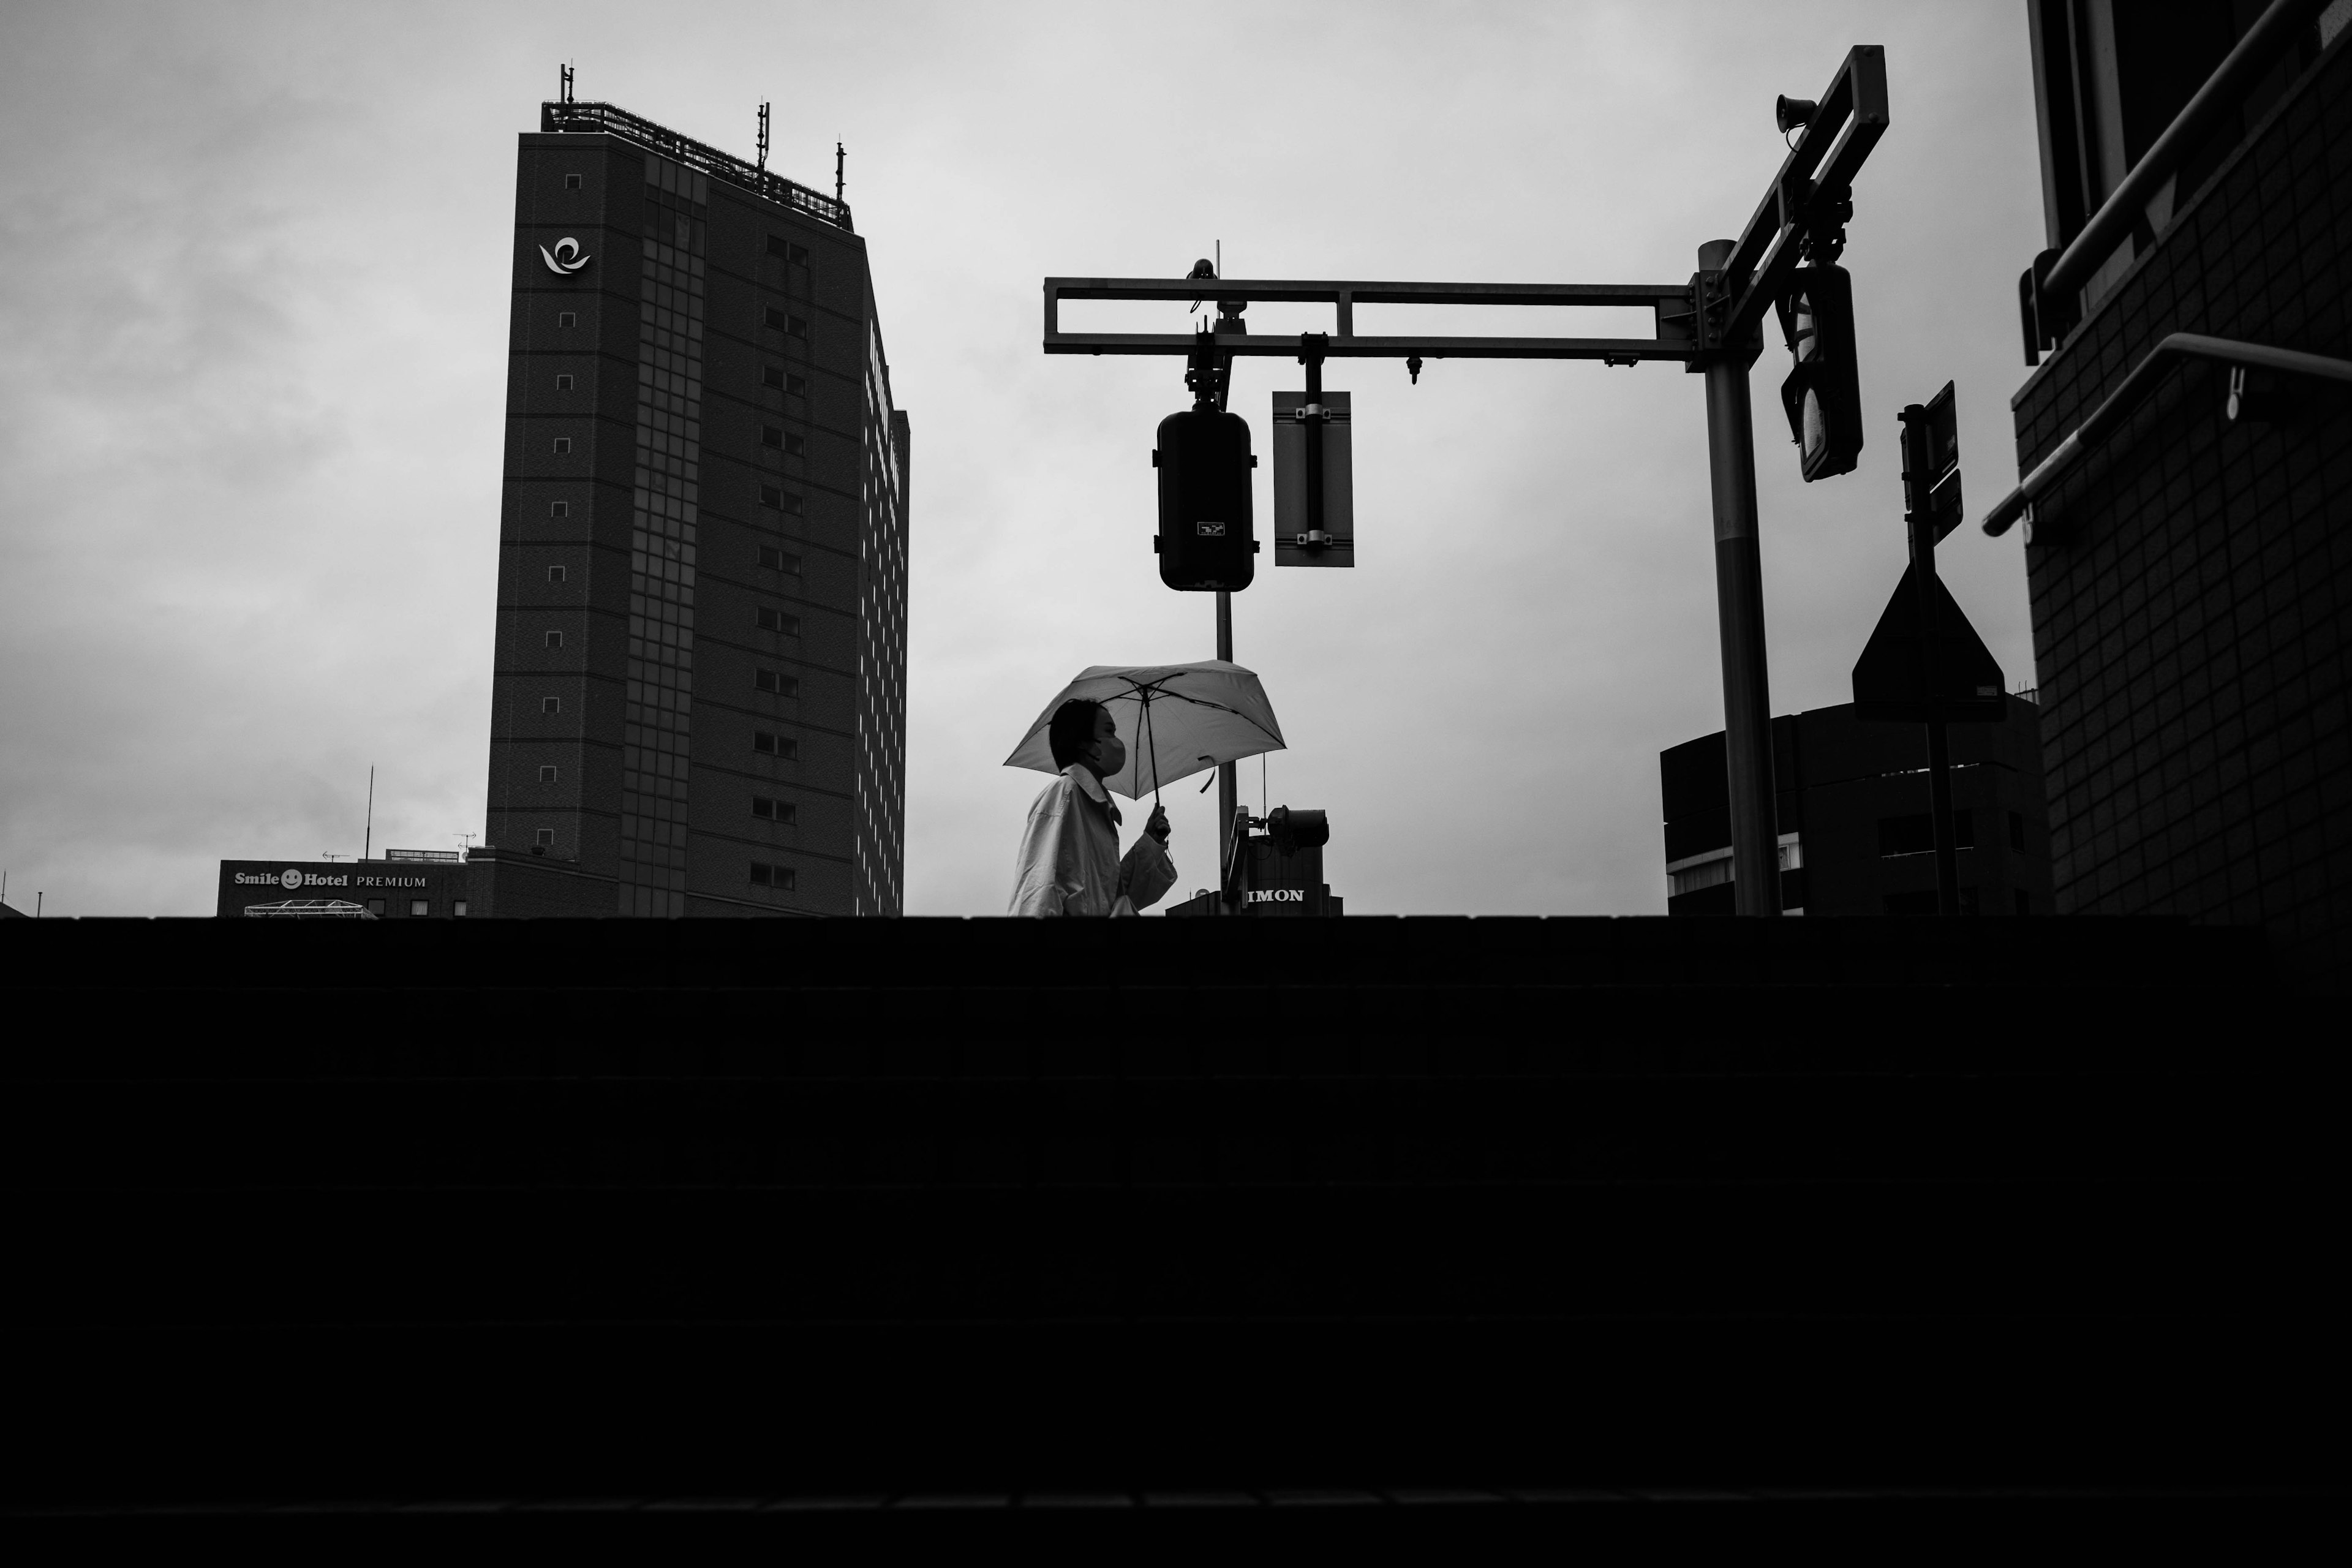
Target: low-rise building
1855, 835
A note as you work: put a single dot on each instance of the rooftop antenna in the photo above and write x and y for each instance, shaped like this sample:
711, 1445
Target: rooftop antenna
840, 166
763, 137
567, 82
465, 838
367, 841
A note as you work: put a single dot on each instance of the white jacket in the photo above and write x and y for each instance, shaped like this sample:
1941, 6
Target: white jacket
1070, 863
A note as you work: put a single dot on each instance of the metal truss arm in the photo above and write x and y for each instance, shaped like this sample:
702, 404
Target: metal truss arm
1669, 302
1808, 195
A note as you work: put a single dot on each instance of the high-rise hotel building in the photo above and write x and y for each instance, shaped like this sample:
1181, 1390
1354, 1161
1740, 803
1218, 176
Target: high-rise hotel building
701, 665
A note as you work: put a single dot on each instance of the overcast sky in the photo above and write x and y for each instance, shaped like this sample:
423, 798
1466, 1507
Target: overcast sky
253, 356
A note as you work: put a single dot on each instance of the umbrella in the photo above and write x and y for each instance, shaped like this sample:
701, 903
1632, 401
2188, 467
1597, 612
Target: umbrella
1176, 719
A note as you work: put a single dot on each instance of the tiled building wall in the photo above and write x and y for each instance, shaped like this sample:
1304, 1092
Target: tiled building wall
2192, 580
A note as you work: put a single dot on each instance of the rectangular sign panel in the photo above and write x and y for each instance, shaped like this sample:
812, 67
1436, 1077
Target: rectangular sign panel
1291, 547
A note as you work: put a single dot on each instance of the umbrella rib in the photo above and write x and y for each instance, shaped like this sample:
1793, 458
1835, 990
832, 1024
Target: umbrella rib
1147, 690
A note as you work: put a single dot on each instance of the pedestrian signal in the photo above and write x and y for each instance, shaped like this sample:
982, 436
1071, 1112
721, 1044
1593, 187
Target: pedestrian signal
1206, 539
1823, 392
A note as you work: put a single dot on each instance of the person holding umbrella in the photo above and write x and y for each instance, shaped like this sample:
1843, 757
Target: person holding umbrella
1069, 862
1186, 717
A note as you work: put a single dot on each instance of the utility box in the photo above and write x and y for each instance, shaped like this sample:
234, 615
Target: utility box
1292, 547
1274, 883
1280, 870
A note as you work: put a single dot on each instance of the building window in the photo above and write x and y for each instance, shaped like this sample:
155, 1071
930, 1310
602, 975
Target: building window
563, 445
796, 384
777, 877
2017, 834
559, 509
789, 325
782, 499
420, 906
555, 574
567, 317
771, 435
779, 246
375, 908
555, 639
1926, 902
769, 744
551, 704
776, 559
1916, 834
546, 838
570, 181
546, 775
773, 681
562, 384
458, 909
777, 621
768, 810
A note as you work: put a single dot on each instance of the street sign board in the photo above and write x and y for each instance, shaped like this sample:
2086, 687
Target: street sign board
1887, 678
1291, 524
1935, 490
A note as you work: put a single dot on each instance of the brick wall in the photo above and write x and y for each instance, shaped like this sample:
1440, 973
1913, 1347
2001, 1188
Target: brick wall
2190, 580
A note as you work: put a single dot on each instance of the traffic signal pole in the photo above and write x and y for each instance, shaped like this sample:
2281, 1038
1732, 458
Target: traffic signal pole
1710, 326
1739, 618
1228, 789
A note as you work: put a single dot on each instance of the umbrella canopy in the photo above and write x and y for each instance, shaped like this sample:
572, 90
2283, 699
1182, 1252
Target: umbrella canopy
1176, 719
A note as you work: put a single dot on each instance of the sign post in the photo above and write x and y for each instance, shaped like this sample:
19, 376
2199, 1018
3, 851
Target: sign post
1925, 662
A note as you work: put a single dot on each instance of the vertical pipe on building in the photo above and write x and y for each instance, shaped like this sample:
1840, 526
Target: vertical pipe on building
1739, 607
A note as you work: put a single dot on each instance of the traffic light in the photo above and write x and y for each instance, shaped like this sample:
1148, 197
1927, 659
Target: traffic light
1206, 536
1823, 392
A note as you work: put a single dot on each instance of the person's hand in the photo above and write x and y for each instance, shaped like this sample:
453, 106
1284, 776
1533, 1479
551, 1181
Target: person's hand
1158, 826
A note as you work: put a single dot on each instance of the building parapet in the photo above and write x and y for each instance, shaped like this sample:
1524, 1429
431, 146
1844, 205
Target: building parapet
706, 160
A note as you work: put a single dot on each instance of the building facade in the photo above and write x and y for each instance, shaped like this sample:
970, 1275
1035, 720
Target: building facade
2191, 575
1855, 835
700, 683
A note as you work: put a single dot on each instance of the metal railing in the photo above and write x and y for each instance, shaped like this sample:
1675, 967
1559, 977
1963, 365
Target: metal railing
2043, 292
2134, 390
694, 155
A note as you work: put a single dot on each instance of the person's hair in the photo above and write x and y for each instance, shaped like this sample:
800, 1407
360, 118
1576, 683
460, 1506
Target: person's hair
1072, 730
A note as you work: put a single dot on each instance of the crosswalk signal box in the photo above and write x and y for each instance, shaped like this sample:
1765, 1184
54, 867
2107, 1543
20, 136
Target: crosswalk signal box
1206, 539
